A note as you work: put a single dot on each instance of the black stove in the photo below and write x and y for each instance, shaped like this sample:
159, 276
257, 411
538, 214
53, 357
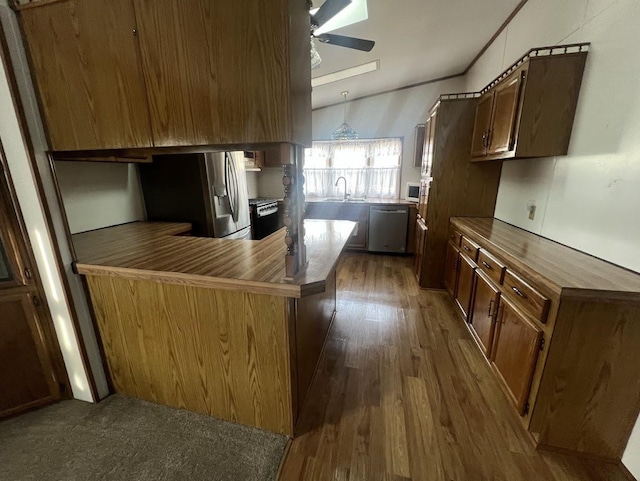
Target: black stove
264, 217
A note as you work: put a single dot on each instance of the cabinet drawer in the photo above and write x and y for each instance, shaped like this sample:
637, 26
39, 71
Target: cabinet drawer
470, 248
455, 237
534, 302
491, 266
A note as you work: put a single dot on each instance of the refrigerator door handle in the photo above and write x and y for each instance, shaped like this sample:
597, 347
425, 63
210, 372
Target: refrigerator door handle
227, 182
236, 190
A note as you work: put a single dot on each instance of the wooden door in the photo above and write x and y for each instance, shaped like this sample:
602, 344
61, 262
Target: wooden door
464, 292
216, 72
88, 75
485, 311
451, 270
482, 125
515, 352
505, 112
27, 374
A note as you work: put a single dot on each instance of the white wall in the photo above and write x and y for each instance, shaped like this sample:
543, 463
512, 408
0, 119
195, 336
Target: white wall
40, 237
588, 199
100, 194
393, 114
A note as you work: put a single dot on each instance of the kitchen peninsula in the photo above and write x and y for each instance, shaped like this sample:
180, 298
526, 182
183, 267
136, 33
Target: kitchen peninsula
212, 325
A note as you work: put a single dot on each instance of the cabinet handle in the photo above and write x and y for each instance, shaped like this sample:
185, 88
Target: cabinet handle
490, 308
488, 266
466, 248
135, 32
519, 292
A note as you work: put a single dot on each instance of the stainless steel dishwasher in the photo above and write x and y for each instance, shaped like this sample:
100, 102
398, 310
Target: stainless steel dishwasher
388, 228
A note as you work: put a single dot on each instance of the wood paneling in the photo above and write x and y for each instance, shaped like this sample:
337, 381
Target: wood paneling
459, 187
484, 312
154, 251
313, 318
216, 72
588, 399
84, 58
552, 267
403, 394
221, 353
515, 352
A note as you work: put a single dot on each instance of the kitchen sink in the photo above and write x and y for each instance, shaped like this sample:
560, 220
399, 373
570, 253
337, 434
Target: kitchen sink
341, 199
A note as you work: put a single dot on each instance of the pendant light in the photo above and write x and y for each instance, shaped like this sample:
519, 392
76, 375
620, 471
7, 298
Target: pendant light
344, 132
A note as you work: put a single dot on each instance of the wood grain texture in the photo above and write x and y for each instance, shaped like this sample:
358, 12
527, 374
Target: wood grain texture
589, 397
218, 72
26, 373
88, 74
515, 352
484, 313
299, 72
532, 301
403, 394
552, 267
491, 266
313, 316
221, 353
459, 187
506, 104
465, 286
154, 251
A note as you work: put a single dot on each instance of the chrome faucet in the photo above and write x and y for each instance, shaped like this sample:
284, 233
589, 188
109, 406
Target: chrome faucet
345, 186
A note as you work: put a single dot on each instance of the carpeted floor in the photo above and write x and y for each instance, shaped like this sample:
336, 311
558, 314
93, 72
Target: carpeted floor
127, 439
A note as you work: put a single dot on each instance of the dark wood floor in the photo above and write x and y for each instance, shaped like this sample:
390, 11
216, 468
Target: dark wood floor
403, 393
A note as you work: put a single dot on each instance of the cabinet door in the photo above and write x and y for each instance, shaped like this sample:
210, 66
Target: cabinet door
464, 293
216, 72
484, 312
26, 377
421, 241
482, 125
87, 72
515, 352
424, 198
451, 269
505, 111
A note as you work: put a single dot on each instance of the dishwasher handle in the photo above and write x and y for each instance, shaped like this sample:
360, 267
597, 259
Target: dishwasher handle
401, 211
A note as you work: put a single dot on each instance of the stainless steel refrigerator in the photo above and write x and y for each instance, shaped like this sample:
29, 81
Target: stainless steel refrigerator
208, 190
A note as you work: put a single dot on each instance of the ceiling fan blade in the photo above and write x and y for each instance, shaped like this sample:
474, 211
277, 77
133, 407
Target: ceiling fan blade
349, 42
327, 11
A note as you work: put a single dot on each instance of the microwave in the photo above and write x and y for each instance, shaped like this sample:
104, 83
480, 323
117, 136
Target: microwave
412, 192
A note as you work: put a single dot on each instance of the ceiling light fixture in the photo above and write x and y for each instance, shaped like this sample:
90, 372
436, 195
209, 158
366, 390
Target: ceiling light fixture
344, 132
345, 74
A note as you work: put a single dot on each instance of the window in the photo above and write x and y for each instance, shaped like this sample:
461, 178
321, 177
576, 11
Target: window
371, 167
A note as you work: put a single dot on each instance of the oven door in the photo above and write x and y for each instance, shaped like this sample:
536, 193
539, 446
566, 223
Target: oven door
265, 225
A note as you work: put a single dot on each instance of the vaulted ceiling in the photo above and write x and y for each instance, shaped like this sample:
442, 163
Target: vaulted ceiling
416, 41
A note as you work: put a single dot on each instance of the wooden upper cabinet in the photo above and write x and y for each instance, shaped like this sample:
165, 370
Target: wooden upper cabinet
530, 112
142, 73
84, 59
505, 108
482, 125
515, 352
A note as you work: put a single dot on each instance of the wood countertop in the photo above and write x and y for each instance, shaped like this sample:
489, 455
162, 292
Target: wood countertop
566, 271
162, 252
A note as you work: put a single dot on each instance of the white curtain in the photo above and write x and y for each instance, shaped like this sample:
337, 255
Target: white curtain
371, 168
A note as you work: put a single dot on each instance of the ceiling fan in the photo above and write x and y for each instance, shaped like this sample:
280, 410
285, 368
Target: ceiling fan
328, 10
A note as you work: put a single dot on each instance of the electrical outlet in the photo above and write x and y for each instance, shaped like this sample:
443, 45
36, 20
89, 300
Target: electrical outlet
531, 208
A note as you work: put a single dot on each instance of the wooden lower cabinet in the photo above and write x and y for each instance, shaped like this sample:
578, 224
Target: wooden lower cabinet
421, 240
464, 292
451, 269
515, 352
484, 313
560, 330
